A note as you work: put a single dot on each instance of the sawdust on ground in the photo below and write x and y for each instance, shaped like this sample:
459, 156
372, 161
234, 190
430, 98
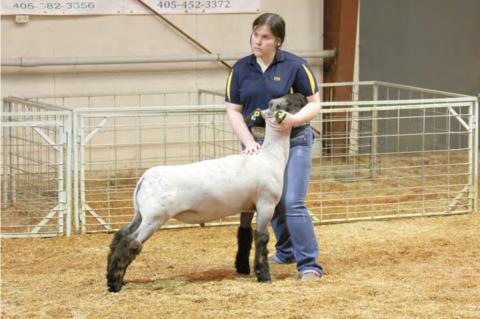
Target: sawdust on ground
423, 268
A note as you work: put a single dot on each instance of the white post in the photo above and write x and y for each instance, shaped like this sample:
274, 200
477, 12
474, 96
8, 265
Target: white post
68, 180
60, 176
373, 159
6, 153
475, 134
82, 176
74, 146
354, 122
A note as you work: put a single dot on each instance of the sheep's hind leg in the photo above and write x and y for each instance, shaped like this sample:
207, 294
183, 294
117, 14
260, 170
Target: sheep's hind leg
244, 240
125, 247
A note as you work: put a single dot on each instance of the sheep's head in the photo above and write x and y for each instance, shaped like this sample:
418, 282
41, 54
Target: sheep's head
291, 103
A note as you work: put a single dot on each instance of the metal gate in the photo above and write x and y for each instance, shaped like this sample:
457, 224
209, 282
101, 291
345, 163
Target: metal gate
115, 146
385, 151
35, 171
382, 151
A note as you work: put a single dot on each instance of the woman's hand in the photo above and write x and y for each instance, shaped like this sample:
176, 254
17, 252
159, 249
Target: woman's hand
304, 116
251, 148
288, 122
240, 128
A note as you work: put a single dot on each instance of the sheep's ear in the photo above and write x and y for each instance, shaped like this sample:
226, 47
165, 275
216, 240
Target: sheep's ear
297, 101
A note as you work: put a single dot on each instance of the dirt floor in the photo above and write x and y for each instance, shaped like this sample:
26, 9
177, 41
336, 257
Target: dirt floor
410, 268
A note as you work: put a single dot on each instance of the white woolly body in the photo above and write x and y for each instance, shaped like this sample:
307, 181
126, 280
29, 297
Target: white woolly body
211, 189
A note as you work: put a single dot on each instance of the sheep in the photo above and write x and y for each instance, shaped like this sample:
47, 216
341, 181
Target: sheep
208, 190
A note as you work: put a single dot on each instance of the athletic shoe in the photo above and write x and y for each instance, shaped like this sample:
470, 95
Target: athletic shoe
273, 259
310, 275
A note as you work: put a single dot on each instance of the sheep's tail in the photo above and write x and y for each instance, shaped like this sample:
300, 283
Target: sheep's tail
137, 219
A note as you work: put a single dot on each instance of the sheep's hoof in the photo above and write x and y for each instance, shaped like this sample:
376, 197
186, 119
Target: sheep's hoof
242, 265
243, 269
264, 277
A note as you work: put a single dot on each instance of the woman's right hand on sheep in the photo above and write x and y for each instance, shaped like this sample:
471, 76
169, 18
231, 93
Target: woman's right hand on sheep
251, 148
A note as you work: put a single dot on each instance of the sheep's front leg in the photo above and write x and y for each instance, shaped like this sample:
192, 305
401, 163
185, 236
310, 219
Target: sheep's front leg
262, 270
264, 215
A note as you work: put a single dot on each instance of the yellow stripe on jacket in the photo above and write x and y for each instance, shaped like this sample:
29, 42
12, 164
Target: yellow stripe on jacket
229, 82
310, 78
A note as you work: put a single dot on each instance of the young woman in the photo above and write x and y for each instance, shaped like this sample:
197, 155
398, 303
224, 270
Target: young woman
254, 80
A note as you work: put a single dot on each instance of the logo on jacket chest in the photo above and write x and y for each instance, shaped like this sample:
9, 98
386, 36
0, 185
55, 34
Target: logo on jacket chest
277, 78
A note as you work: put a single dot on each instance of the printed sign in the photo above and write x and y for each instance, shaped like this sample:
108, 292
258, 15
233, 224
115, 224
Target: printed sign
107, 7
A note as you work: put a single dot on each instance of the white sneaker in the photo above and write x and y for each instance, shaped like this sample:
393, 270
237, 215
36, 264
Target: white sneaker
273, 259
310, 275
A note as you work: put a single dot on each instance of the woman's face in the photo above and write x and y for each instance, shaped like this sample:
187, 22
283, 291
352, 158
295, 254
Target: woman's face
263, 42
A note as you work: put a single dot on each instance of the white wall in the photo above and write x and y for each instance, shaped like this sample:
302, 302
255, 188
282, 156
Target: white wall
147, 35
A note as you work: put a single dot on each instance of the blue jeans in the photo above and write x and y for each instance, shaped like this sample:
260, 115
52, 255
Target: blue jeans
291, 221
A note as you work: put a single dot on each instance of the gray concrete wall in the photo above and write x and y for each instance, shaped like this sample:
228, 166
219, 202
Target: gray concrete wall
426, 43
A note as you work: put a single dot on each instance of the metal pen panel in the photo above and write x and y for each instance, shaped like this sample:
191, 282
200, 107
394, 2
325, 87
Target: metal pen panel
382, 150
34, 170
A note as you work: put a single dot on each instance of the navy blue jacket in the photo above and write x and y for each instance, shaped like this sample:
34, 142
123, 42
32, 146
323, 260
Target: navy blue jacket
249, 86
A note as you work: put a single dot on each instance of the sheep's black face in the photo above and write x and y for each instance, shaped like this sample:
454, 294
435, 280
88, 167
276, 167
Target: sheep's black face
291, 103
